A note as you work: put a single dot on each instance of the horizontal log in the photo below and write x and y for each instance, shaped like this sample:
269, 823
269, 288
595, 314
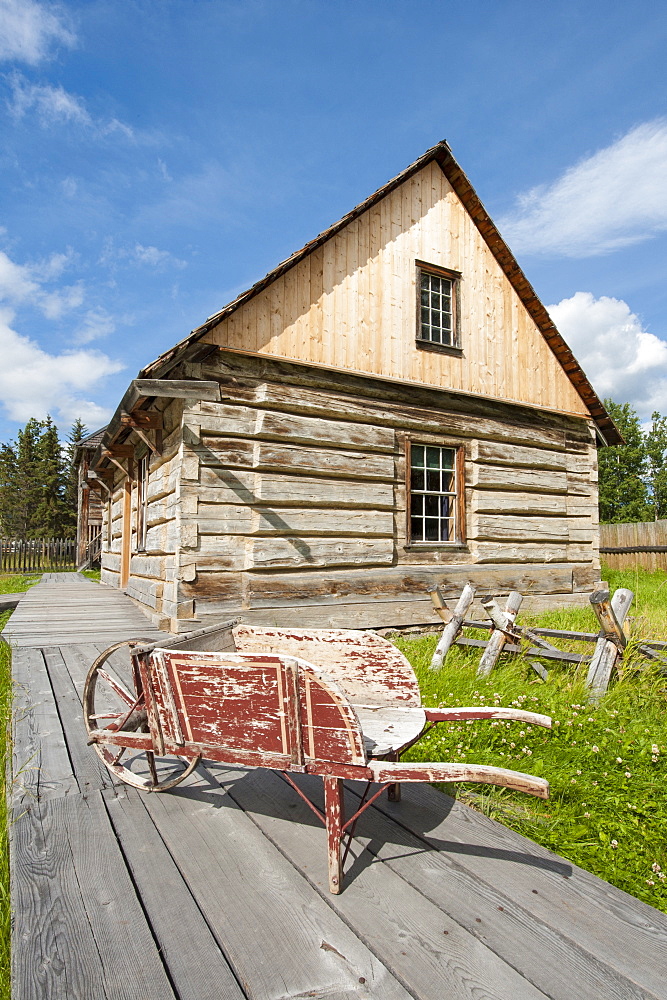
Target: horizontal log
327, 433
300, 388
274, 457
497, 453
275, 553
401, 583
529, 552
224, 486
496, 477
505, 526
227, 519
493, 502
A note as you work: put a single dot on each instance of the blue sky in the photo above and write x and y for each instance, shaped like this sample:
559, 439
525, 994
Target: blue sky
158, 157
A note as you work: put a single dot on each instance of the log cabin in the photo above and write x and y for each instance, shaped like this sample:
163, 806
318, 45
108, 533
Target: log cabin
390, 408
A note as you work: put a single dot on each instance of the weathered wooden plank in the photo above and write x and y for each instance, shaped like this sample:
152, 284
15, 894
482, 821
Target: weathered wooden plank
580, 918
88, 768
324, 462
433, 955
41, 767
198, 971
78, 925
220, 852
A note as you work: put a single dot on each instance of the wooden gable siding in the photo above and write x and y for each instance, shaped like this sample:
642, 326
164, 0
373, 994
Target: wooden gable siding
351, 305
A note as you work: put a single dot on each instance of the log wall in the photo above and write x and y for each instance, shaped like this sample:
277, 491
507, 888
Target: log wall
290, 493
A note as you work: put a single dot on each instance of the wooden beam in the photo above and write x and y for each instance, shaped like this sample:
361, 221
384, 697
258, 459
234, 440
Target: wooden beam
177, 388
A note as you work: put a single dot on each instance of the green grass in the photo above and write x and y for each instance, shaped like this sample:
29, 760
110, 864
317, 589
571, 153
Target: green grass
605, 764
92, 574
14, 583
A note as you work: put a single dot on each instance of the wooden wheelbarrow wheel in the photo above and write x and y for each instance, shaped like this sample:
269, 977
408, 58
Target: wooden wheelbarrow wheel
108, 698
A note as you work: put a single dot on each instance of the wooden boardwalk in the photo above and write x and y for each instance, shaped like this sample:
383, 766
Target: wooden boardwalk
218, 889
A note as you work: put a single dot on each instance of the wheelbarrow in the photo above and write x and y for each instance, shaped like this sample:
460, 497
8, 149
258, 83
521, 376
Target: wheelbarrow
339, 703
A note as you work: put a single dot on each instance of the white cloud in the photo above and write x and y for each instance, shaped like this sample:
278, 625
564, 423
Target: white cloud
151, 256
53, 105
614, 198
34, 382
28, 30
50, 104
21, 283
97, 323
621, 359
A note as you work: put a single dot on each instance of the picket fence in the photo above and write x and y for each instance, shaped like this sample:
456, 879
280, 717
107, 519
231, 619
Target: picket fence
37, 555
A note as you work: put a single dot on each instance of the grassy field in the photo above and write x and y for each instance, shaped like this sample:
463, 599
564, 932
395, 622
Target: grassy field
12, 583
605, 764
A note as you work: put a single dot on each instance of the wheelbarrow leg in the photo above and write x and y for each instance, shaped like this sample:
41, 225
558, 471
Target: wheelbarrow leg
394, 791
333, 809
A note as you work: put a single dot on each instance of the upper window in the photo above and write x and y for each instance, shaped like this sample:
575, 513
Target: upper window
437, 322
433, 495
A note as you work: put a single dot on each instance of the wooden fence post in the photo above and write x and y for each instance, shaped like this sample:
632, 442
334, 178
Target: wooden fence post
502, 620
612, 640
453, 627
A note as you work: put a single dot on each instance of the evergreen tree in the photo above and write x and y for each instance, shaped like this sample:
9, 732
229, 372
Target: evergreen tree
27, 487
50, 514
624, 469
656, 452
78, 432
8, 473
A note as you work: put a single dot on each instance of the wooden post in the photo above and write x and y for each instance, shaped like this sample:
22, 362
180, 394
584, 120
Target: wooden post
333, 810
453, 627
498, 637
612, 640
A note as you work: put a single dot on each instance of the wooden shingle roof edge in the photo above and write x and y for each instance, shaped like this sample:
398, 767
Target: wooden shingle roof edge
442, 155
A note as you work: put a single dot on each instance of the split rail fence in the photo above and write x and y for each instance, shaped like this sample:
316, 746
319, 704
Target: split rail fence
37, 555
641, 543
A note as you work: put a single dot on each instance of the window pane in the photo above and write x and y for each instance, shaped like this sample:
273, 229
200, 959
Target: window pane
446, 531
432, 505
425, 280
417, 456
433, 458
433, 481
446, 286
417, 479
424, 297
417, 504
432, 531
416, 530
445, 506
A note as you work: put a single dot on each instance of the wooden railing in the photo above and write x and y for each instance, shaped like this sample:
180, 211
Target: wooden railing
37, 555
640, 543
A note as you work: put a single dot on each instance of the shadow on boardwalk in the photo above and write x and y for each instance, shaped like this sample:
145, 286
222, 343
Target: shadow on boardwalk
218, 889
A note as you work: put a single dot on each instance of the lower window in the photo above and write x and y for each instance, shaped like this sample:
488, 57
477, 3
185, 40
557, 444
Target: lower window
433, 495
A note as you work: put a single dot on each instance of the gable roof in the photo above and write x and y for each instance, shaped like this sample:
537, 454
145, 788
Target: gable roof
442, 155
